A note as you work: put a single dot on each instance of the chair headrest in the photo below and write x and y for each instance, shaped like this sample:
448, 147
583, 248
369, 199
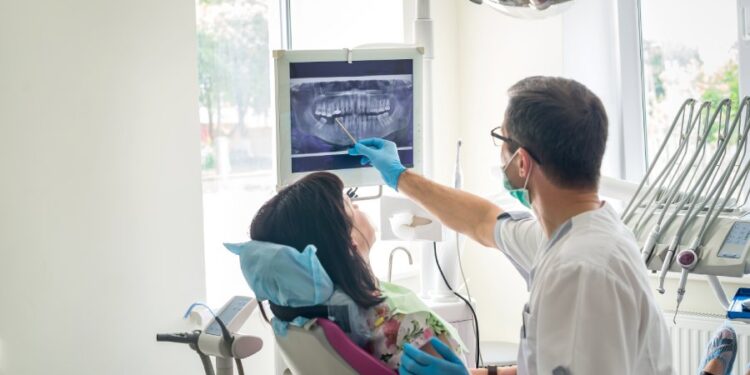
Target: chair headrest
287, 277
282, 274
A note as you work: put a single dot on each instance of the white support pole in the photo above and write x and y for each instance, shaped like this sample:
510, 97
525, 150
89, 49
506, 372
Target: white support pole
224, 366
432, 284
423, 35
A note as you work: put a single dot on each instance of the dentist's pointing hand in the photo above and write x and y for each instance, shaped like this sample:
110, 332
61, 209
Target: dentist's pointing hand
383, 155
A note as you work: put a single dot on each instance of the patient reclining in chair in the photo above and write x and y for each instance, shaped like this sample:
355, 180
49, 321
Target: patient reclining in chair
381, 317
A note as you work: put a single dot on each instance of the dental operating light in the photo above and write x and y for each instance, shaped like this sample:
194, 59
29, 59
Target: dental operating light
529, 9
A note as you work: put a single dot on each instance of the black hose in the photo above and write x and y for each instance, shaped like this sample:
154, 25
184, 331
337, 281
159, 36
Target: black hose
473, 313
240, 370
208, 367
192, 340
179, 338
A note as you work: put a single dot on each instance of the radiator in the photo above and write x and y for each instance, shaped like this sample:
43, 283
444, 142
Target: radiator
692, 332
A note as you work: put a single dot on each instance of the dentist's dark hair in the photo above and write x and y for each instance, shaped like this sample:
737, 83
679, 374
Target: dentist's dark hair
312, 211
561, 122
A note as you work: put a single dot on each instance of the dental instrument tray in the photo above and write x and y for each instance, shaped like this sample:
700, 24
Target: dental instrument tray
724, 251
736, 311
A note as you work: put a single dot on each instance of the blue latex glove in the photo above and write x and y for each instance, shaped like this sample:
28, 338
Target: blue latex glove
417, 362
383, 155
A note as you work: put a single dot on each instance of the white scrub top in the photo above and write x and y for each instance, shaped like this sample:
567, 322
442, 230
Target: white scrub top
591, 309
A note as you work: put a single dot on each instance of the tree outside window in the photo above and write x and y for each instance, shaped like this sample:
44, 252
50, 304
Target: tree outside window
685, 59
233, 77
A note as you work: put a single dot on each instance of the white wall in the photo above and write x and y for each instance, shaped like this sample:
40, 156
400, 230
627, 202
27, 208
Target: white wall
495, 52
100, 211
446, 81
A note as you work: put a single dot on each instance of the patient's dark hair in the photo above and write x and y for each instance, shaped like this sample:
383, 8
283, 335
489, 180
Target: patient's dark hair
312, 211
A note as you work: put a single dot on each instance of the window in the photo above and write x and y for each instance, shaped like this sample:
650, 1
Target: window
656, 54
689, 50
318, 24
235, 96
235, 40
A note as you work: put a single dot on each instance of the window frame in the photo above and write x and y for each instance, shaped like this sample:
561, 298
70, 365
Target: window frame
743, 45
633, 90
632, 125
604, 62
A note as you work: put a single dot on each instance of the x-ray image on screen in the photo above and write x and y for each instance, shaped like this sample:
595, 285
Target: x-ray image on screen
369, 98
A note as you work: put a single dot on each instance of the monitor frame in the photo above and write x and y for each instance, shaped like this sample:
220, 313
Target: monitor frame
355, 177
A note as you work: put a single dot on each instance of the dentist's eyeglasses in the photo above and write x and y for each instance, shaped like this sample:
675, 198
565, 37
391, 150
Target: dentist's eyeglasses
498, 140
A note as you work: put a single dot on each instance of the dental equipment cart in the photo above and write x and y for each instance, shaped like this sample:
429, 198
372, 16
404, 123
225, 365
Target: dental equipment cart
218, 340
689, 214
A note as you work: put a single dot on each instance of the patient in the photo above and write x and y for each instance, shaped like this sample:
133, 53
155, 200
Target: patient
315, 211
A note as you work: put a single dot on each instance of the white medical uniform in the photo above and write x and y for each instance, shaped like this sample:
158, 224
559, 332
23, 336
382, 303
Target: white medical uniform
591, 309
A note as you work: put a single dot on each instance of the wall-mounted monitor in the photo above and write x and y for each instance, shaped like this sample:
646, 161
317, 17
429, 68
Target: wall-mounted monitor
369, 92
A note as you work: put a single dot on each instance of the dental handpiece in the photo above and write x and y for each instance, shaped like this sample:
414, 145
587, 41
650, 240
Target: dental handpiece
681, 287
666, 264
683, 276
648, 247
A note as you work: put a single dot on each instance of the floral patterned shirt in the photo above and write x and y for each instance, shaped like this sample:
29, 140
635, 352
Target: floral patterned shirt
391, 331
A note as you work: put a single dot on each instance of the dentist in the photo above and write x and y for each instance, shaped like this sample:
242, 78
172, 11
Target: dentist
591, 309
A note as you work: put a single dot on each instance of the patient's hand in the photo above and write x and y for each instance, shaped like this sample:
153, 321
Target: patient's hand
429, 349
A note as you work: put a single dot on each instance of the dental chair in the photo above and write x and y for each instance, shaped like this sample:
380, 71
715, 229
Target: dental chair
299, 290
321, 347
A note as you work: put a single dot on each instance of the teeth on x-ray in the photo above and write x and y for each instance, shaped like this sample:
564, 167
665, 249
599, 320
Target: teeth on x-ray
355, 111
366, 107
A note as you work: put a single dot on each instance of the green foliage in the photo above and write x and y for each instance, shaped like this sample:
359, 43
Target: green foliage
656, 62
714, 88
724, 84
210, 74
208, 161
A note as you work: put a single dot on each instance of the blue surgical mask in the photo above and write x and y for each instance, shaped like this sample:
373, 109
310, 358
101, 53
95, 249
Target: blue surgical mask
522, 194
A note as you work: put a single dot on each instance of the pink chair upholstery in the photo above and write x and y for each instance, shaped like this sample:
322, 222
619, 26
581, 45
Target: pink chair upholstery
321, 347
361, 361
